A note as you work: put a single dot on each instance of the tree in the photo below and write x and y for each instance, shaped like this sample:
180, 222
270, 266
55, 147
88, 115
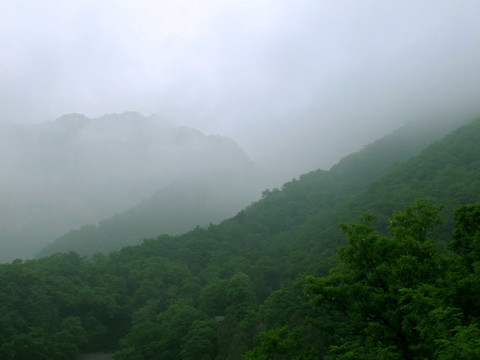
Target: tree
466, 235
282, 344
385, 286
169, 334
466, 245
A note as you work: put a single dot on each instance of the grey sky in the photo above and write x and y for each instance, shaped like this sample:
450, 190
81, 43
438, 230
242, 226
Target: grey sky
296, 83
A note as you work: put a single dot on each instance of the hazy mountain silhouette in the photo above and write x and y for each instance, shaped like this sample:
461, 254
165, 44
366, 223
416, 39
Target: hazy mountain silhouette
73, 171
199, 201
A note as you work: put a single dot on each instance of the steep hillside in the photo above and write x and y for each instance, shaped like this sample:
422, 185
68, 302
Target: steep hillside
73, 171
323, 191
176, 209
447, 172
210, 292
267, 248
198, 201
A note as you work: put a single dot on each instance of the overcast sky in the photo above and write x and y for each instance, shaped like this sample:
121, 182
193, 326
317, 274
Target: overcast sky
298, 82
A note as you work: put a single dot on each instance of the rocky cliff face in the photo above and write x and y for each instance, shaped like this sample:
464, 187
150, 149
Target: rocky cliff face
62, 174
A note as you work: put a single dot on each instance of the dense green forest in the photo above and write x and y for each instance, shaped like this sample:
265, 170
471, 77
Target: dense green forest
281, 279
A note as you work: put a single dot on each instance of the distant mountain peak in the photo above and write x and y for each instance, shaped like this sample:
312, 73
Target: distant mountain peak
72, 118
131, 119
127, 116
61, 174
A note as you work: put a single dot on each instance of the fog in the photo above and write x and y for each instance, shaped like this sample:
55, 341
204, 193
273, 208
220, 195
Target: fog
57, 176
297, 84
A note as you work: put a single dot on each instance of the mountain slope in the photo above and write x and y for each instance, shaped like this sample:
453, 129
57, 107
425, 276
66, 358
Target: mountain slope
179, 208
176, 209
60, 175
276, 241
209, 292
447, 172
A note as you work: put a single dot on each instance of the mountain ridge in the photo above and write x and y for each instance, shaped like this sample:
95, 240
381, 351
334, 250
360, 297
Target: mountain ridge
327, 191
62, 174
166, 295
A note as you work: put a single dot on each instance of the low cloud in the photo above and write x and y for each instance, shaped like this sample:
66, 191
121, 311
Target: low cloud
297, 84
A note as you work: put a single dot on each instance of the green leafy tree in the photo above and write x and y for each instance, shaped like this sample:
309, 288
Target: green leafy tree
168, 334
282, 344
384, 285
466, 235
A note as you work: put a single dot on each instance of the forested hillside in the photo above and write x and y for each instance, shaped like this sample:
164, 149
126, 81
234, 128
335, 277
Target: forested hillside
447, 172
257, 286
212, 198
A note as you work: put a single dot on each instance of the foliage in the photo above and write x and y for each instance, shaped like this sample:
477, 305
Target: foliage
396, 291
236, 289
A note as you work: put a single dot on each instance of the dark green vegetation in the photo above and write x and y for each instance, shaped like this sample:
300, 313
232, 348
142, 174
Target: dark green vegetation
259, 285
393, 297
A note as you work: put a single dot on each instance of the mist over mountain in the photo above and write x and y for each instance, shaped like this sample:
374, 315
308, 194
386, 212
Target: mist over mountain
254, 272
175, 209
60, 175
218, 195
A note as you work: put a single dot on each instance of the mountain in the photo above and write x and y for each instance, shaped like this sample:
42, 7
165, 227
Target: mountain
447, 172
251, 267
176, 209
59, 175
183, 205
210, 292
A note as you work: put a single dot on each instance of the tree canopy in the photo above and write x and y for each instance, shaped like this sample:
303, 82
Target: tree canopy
279, 280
